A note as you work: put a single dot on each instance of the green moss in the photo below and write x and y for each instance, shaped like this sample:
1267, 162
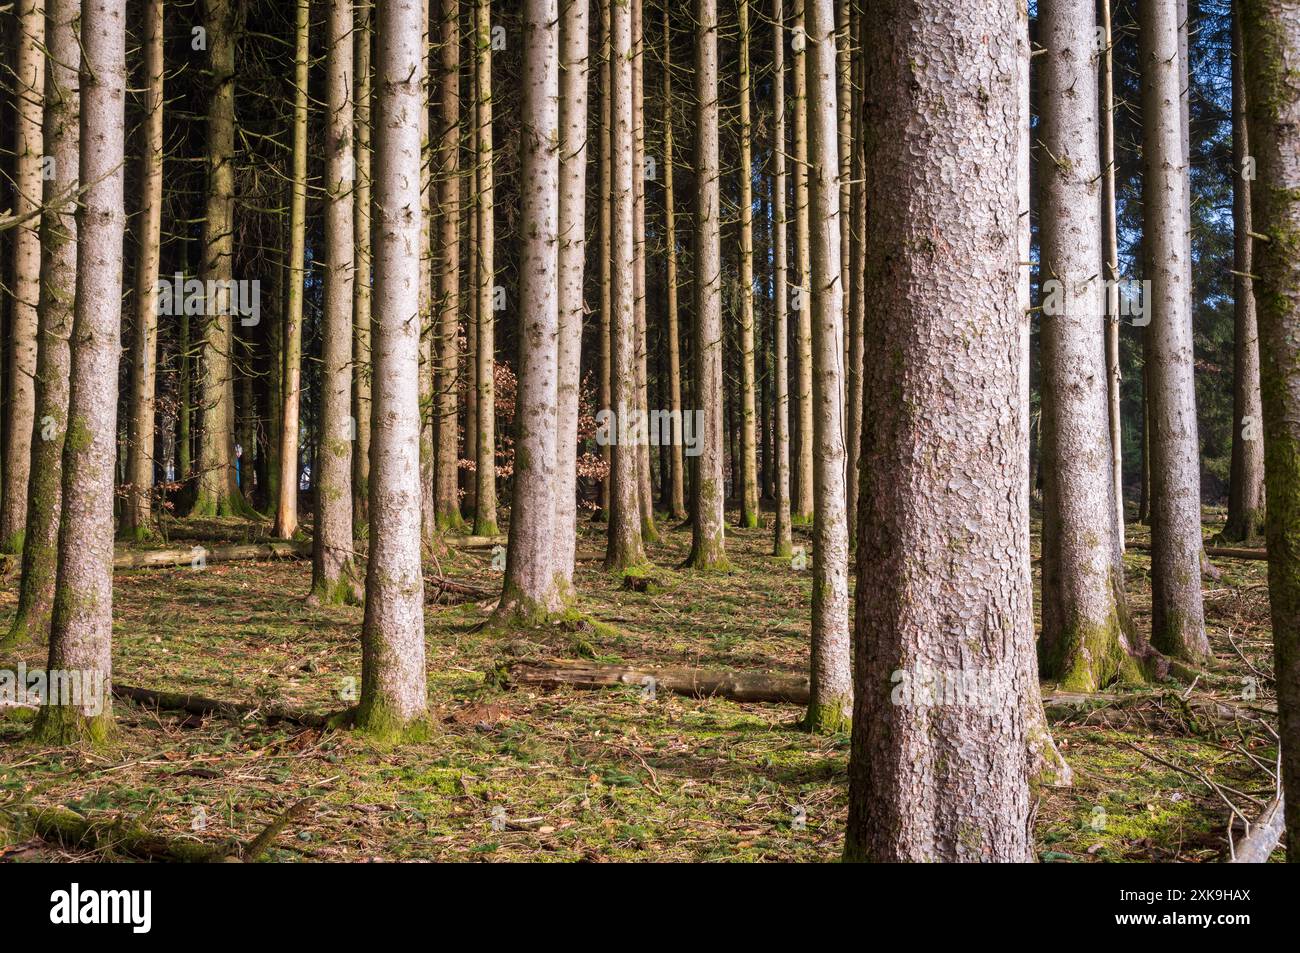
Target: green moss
69, 726
13, 545
826, 719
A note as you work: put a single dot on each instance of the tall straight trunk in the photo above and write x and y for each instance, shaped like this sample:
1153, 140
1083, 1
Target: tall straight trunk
1246, 482
1083, 644
676, 456
748, 425
361, 268
844, 118
857, 313
58, 243
485, 489
571, 269
708, 524
782, 537
1110, 240
274, 362
184, 385
1270, 31
431, 219
1177, 616
530, 595
137, 513
830, 701
25, 269
803, 477
470, 358
604, 394
943, 585
333, 576
81, 630
645, 490
393, 690
286, 515
447, 385
624, 542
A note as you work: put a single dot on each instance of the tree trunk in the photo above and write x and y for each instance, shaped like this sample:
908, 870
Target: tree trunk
1110, 240
748, 425
708, 527
605, 195
943, 563
625, 547
530, 595
782, 540
25, 269
857, 314
58, 244
446, 500
485, 488
286, 516
393, 692
1177, 621
676, 457
361, 269
1270, 31
333, 576
831, 681
803, 477
571, 268
431, 219
81, 631
1246, 482
645, 488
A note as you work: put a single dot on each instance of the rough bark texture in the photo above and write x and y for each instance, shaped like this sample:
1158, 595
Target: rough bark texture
748, 424
393, 692
1246, 481
676, 455
625, 547
604, 393
81, 631
485, 484
58, 242
361, 269
137, 514
1177, 615
831, 681
708, 523
1083, 644
1110, 240
530, 594
943, 562
25, 269
645, 489
803, 476
857, 313
333, 576
782, 539
1271, 41
574, 63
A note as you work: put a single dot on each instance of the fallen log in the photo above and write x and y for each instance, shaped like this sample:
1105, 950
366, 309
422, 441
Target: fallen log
691, 682
1265, 834
235, 711
202, 555
444, 591
1217, 552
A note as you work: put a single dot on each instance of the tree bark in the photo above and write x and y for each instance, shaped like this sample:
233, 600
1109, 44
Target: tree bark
645, 487
748, 424
803, 476
708, 524
605, 195
361, 268
676, 456
1177, 615
943, 563
1270, 32
393, 693
485, 486
857, 313
782, 539
81, 631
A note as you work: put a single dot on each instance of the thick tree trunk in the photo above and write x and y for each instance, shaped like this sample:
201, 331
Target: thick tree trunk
393, 692
530, 595
1083, 645
1177, 619
571, 269
748, 424
286, 515
446, 497
625, 547
676, 455
1246, 481
485, 484
943, 564
782, 539
1270, 32
831, 703
333, 576
361, 269
803, 477
81, 631
137, 511
58, 244
708, 524
25, 268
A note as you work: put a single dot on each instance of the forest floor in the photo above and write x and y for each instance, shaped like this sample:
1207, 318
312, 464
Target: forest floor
601, 775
